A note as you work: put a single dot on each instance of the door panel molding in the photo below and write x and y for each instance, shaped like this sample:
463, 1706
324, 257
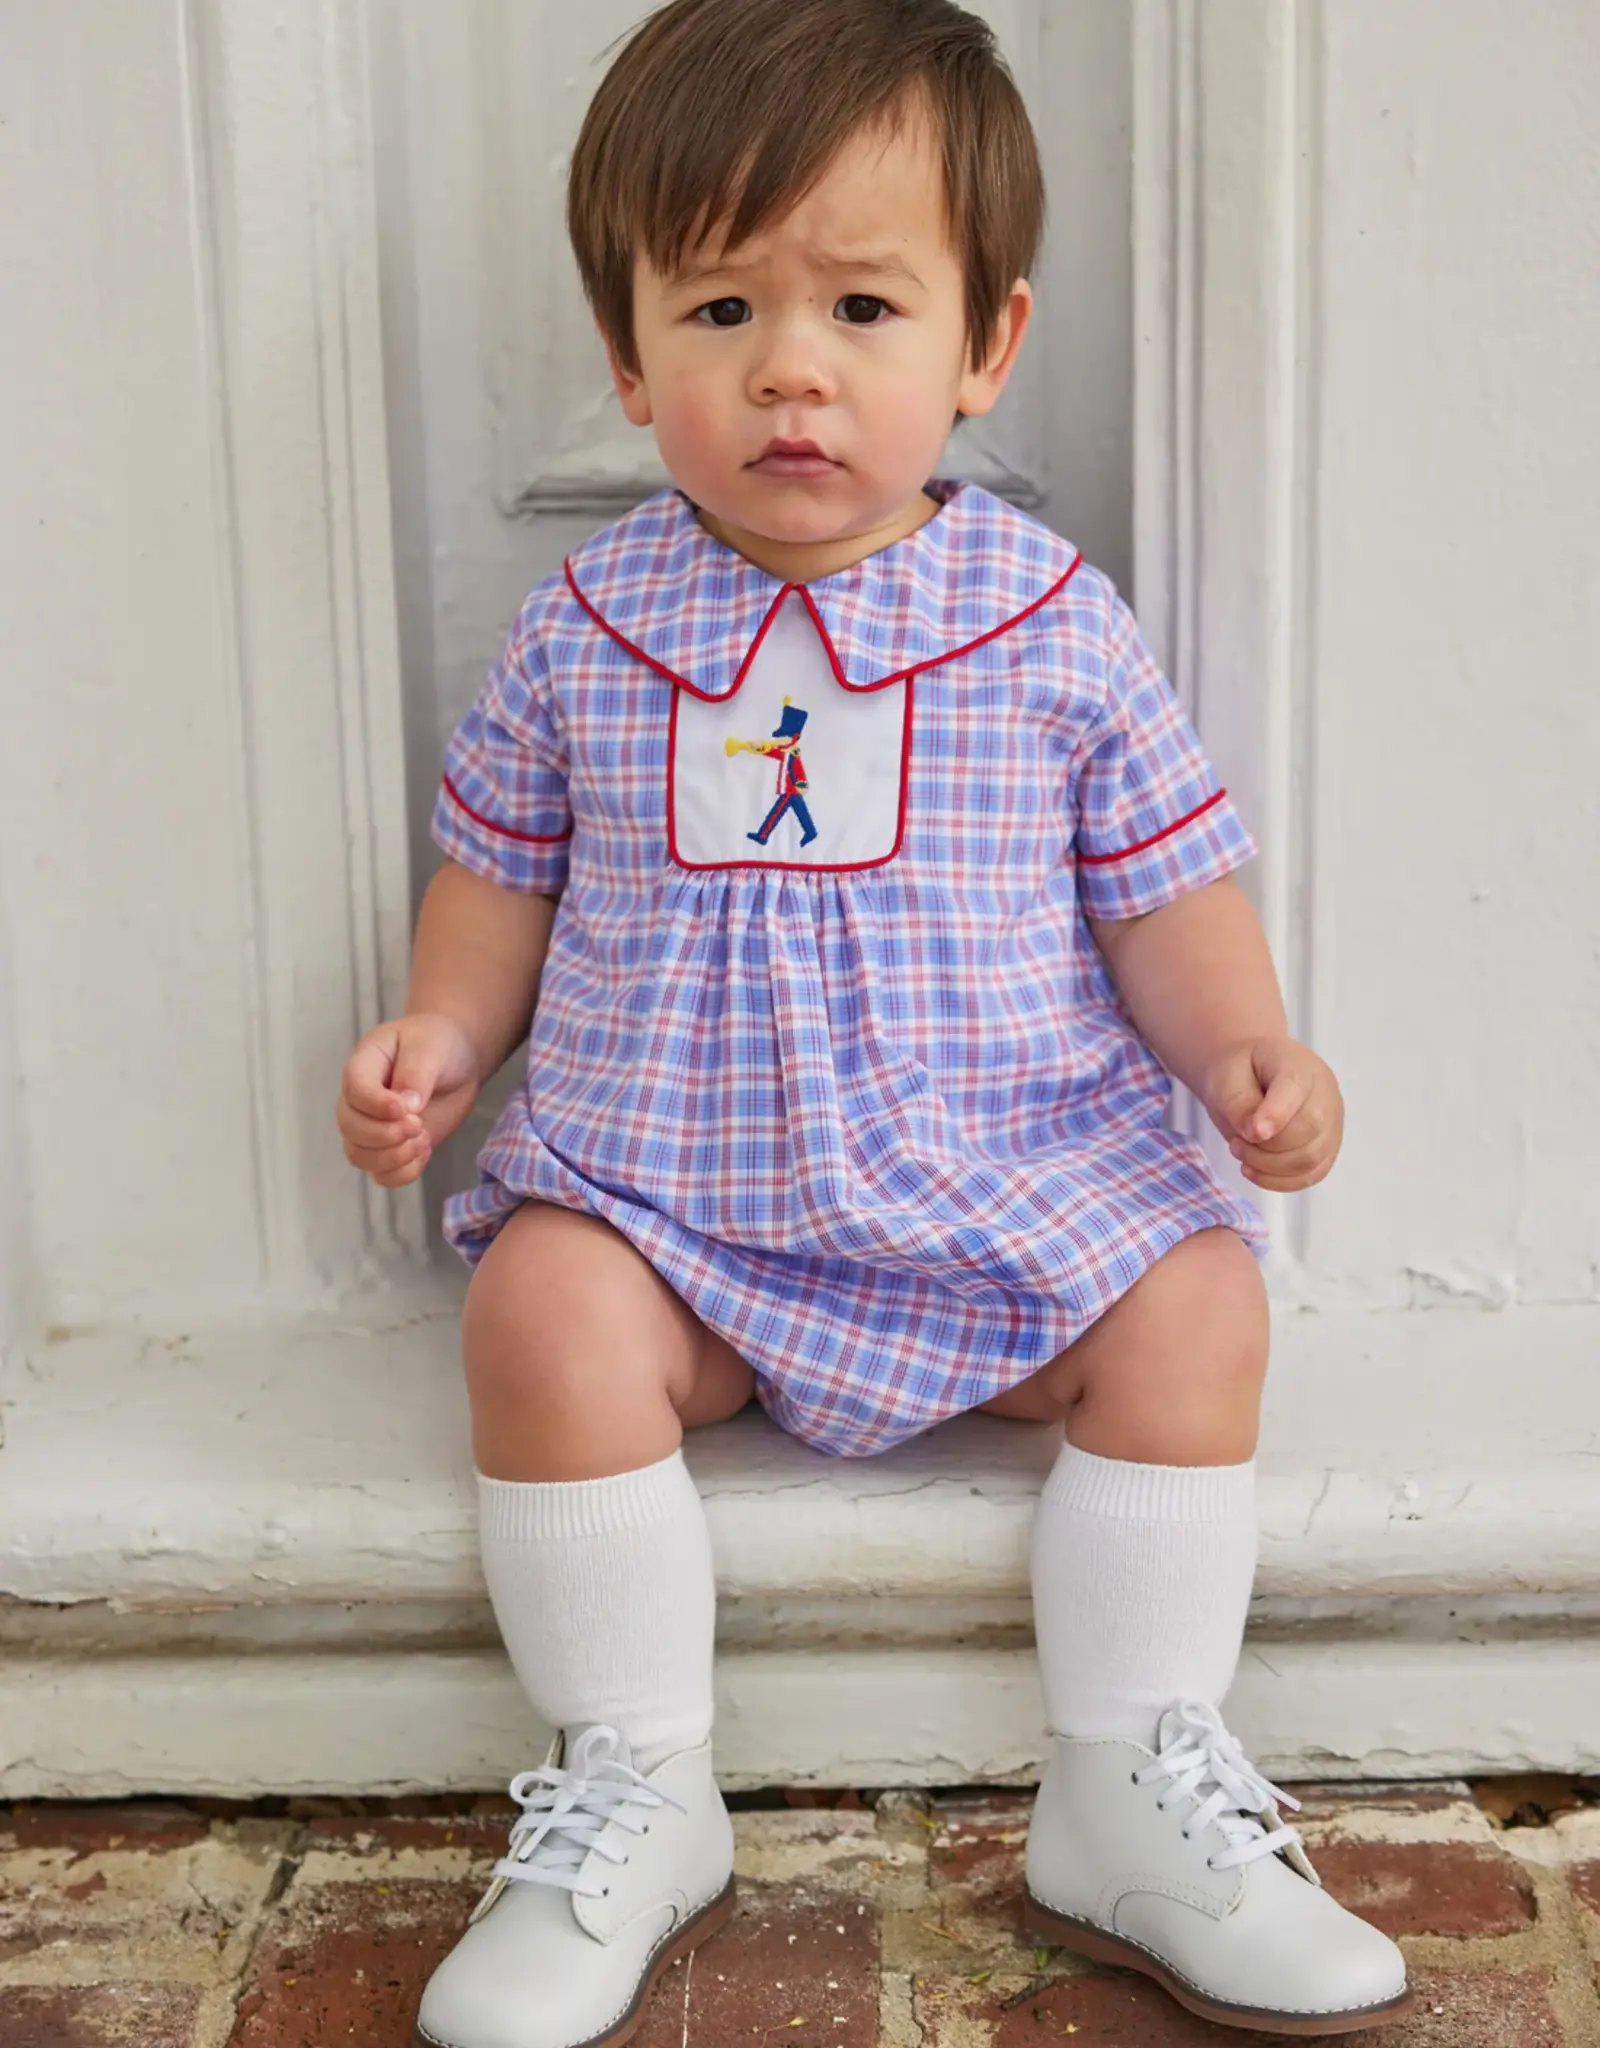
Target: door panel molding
1225, 208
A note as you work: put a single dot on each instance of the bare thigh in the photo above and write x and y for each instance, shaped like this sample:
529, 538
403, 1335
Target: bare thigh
580, 1360
1172, 1373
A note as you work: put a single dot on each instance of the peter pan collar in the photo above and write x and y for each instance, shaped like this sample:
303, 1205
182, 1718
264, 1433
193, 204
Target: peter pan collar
693, 609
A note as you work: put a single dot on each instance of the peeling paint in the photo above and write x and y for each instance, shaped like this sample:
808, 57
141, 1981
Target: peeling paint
1435, 1287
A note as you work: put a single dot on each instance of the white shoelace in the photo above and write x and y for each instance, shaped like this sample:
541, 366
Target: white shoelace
1205, 1763
566, 1810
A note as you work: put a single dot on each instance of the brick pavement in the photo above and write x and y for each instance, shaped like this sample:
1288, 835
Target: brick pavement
301, 1924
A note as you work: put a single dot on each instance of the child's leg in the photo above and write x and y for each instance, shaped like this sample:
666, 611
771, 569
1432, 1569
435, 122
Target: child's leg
1145, 1541
584, 1369
1152, 1842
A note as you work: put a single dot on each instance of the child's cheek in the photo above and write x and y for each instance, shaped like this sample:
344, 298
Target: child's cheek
692, 424
907, 414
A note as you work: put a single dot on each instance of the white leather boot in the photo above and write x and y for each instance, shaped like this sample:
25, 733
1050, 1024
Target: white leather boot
1177, 1862
610, 1877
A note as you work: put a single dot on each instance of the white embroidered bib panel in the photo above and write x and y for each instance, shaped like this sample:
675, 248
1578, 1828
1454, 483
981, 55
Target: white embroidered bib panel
792, 769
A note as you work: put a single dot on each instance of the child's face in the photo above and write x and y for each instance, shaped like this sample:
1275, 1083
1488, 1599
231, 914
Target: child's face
841, 326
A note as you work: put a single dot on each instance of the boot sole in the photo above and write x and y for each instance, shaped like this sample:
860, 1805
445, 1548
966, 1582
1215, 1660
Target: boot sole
683, 1939
1061, 1930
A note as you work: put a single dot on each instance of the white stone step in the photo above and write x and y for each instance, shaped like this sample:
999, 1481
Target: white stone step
261, 1504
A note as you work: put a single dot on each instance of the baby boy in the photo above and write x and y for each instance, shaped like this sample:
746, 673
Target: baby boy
848, 1069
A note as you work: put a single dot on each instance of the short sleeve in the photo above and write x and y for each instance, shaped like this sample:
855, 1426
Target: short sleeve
503, 808
1153, 819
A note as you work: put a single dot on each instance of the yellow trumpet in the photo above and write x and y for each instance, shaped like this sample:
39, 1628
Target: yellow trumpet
732, 746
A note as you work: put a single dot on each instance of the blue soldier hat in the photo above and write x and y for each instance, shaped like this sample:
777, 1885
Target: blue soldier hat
793, 722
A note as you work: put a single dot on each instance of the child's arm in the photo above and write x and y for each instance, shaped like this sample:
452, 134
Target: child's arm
1198, 979
475, 971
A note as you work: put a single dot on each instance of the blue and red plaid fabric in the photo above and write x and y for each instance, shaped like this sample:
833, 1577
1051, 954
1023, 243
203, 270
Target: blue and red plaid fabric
887, 1129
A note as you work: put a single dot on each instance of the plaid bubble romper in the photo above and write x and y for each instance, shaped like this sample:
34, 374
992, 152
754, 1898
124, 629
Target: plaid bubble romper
822, 1028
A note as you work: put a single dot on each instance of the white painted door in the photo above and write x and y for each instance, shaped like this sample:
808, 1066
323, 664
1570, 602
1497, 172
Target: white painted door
1287, 243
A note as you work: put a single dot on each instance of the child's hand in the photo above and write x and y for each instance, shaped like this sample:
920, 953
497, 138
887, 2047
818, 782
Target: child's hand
408, 1084
1278, 1105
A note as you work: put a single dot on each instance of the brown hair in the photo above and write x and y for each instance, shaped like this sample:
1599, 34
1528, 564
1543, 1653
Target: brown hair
729, 111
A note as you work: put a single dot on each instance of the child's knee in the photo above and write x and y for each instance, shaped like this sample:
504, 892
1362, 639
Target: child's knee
1184, 1351
1214, 1275
561, 1308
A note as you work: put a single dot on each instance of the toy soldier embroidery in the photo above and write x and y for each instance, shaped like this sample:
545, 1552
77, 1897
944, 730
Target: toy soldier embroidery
792, 783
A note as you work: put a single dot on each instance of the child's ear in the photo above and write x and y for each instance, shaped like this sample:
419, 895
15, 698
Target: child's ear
629, 383
981, 388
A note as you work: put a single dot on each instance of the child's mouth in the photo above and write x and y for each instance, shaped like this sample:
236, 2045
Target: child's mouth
793, 459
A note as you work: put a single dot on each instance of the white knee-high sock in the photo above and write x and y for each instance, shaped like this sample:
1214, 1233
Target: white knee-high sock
1141, 1585
604, 1593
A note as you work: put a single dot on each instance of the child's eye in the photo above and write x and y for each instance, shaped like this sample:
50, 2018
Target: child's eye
723, 312
860, 309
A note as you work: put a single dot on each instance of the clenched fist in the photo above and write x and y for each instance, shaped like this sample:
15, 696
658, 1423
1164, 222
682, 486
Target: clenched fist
1278, 1105
408, 1084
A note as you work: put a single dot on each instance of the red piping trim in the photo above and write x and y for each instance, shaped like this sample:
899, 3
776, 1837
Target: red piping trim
505, 831
1094, 860
649, 660
803, 867
902, 675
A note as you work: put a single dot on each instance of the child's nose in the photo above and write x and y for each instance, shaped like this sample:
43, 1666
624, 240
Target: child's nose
792, 365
